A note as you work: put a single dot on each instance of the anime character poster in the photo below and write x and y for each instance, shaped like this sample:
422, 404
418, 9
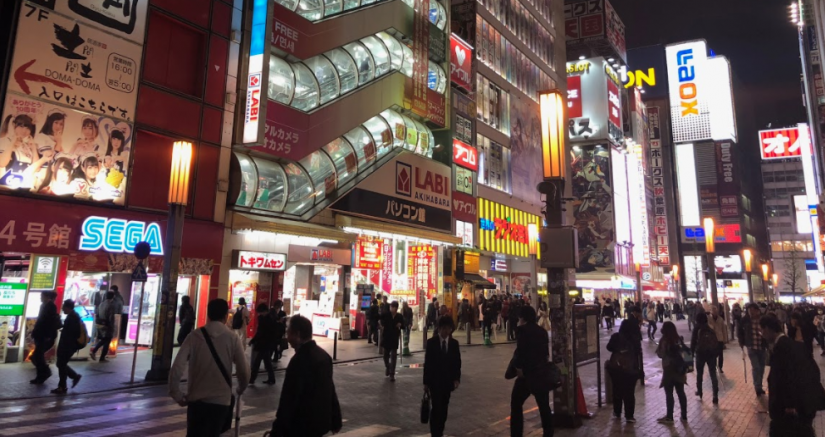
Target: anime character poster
525, 149
54, 151
593, 207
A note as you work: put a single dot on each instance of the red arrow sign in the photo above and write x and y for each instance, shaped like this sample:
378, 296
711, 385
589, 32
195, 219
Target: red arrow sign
21, 76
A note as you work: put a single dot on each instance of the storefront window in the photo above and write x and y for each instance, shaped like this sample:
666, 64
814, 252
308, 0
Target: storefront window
363, 60
321, 172
326, 75
312, 10
345, 66
300, 190
332, 7
407, 66
438, 15
271, 186
343, 158
281, 84
436, 79
351, 4
411, 140
379, 54
306, 88
396, 52
249, 177
364, 147
494, 164
381, 135
399, 128
289, 4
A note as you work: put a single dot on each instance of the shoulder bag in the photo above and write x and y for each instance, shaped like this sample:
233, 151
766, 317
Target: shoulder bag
227, 424
425, 407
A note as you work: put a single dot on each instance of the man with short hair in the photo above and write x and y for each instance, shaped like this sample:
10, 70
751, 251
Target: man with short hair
391, 323
750, 337
531, 355
309, 405
44, 334
210, 353
432, 315
105, 320
67, 347
442, 372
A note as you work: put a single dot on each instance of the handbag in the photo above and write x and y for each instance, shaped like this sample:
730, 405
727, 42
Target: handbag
546, 377
227, 424
425, 407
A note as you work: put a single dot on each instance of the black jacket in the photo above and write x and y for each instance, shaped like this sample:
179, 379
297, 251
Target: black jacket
783, 386
808, 333
392, 333
373, 314
532, 348
71, 332
441, 371
309, 405
186, 315
47, 324
745, 334
266, 334
432, 314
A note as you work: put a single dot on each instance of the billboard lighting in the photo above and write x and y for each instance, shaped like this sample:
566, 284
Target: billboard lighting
582, 58
610, 59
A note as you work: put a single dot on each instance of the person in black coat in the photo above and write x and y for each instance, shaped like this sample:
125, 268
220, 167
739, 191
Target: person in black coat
278, 316
442, 372
531, 354
67, 347
391, 323
432, 314
802, 331
624, 368
186, 316
373, 316
262, 344
512, 319
44, 334
309, 405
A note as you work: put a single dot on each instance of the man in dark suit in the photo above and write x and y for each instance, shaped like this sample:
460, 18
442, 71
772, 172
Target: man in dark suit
791, 413
442, 372
531, 354
309, 405
44, 334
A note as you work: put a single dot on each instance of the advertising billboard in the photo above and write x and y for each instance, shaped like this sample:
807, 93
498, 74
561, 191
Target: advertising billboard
593, 101
647, 69
780, 143
504, 230
689, 108
727, 187
584, 20
125, 19
461, 62
525, 149
688, 189
720, 99
593, 207
614, 29
420, 195
728, 264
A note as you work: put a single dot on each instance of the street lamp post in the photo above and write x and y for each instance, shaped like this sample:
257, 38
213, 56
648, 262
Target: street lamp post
748, 268
710, 248
553, 137
638, 267
674, 276
775, 283
765, 280
167, 299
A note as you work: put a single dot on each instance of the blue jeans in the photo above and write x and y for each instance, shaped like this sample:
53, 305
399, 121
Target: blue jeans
757, 357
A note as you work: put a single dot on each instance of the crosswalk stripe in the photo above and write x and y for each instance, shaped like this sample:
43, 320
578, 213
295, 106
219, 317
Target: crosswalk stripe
92, 409
63, 402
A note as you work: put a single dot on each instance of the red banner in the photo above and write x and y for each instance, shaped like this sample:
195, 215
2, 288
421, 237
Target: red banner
574, 96
368, 253
461, 61
422, 272
386, 266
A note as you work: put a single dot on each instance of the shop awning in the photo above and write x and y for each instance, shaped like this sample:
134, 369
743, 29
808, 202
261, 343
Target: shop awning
242, 222
355, 225
815, 292
479, 281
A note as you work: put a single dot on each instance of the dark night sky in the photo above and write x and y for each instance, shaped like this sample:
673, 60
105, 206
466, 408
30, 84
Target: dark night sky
755, 35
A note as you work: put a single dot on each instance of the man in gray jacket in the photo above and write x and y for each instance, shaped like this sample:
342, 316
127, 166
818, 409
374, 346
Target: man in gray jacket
105, 321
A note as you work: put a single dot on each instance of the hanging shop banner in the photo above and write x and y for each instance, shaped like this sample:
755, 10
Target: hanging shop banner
319, 255
464, 207
257, 62
461, 61
368, 253
726, 185
656, 162
421, 269
436, 108
525, 149
64, 152
504, 230
12, 299
386, 266
60, 60
421, 195
43, 272
123, 18
465, 155
593, 207
583, 20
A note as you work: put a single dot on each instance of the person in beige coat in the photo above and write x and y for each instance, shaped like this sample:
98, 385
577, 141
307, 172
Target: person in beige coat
717, 323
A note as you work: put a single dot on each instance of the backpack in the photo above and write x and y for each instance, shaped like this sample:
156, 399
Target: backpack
624, 360
706, 344
237, 319
83, 338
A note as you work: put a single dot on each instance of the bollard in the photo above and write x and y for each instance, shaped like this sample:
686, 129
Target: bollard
406, 350
335, 348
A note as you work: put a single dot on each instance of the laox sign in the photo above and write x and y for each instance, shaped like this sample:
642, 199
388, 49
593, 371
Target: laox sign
118, 235
465, 155
687, 82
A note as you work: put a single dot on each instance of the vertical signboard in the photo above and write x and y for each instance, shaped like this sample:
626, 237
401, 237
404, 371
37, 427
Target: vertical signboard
593, 207
461, 61
689, 111
726, 185
583, 20
256, 70
593, 101
660, 186
415, 96
614, 29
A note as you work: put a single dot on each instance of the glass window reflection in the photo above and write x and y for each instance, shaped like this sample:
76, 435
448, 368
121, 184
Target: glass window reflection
409, 59
249, 179
345, 66
281, 84
364, 147
396, 52
321, 172
411, 140
300, 190
379, 54
343, 158
306, 88
363, 61
312, 10
399, 128
332, 7
271, 186
381, 135
326, 75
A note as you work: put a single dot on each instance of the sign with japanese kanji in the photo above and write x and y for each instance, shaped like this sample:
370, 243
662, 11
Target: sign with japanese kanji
43, 272
60, 60
123, 18
781, 143
261, 261
369, 252
12, 299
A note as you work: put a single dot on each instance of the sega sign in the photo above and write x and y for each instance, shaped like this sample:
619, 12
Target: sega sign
118, 235
465, 155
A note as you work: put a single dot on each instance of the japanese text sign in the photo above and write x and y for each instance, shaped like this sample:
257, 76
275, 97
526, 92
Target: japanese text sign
780, 143
465, 155
263, 261
461, 56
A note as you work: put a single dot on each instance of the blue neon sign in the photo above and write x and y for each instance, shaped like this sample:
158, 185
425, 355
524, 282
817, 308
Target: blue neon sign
118, 235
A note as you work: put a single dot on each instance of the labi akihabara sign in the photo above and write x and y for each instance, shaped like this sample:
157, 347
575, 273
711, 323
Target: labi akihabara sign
118, 235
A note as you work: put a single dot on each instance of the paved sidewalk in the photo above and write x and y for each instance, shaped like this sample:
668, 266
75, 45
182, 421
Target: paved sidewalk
115, 374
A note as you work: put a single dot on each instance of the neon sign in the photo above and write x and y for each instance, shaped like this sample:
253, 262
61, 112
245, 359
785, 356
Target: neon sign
118, 235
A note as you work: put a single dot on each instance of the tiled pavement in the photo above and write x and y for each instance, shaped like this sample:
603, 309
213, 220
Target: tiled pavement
115, 374
372, 406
